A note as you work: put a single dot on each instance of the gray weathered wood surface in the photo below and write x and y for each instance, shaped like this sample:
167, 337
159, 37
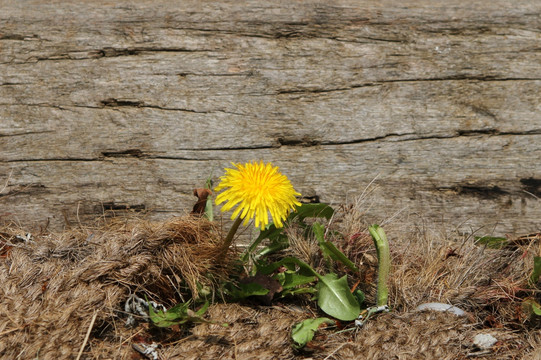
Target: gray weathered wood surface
108, 104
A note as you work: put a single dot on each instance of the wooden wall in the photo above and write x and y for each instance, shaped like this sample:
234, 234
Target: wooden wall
116, 104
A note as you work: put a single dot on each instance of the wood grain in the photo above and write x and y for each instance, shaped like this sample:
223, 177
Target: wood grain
116, 105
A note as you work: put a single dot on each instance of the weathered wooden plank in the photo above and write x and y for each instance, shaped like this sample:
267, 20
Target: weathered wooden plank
136, 103
408, 110
470, 173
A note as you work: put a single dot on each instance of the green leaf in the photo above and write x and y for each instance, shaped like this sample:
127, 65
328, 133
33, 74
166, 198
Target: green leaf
241, 291
318, 210
177, 311
177, 315
203, 309
491, 242
290, 279
266, 269
536, 273
337, 255
304, 331
329, 250
277, 243
170, 317
536, 308
335, 298
298, 291
359, 295
319, 232
531, 307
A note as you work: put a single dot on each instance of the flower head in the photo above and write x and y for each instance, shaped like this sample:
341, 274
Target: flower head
258, 189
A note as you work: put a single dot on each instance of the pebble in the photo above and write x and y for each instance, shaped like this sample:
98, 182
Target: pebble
484, 341
441, 307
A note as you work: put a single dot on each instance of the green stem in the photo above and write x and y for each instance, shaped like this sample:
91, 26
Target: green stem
304, 265
229, 238
384, 263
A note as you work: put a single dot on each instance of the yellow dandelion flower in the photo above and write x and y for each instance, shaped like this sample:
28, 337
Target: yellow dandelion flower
257, 189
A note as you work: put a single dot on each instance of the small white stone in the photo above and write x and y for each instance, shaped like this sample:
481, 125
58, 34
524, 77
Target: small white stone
441, 307
484, 341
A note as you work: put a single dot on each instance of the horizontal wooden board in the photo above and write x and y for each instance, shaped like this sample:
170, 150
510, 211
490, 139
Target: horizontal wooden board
128, 106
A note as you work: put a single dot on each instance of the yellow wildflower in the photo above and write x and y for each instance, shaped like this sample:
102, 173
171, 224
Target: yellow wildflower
258, 189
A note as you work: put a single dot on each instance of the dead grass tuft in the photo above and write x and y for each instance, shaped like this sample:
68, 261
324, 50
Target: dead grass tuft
54, 284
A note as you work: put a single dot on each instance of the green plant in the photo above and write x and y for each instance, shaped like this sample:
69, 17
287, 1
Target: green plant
329, 250
304, 331
491, 242
294, 276
177, 315
384, 263
253, 188
332, 293
276, 235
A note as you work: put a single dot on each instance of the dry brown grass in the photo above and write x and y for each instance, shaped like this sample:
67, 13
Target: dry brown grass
53, 285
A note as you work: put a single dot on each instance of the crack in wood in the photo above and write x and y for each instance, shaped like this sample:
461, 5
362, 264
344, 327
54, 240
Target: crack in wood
232, 148
11, 37
111, 52
52, 106
354, 41
415, 137
27, 133
532, 186
305, 141
130, 51
321, 90
314, 199
130, 153
112, 206
481, 78
181, 158
396, 136
244, 73
25, 189
479, 191
476, 132
19, 37
112, 102
66, 159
